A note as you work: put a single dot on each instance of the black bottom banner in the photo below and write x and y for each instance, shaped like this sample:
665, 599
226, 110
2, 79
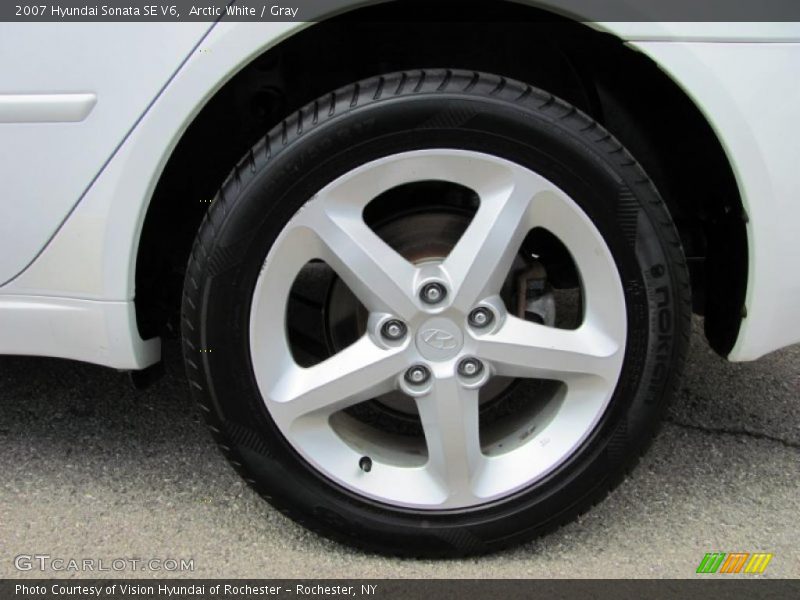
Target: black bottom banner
411, 589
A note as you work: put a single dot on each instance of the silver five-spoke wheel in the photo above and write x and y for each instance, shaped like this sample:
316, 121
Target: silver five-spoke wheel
449, 334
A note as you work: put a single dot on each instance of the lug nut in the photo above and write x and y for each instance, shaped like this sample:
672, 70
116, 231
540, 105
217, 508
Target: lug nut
481, 317
417, 375
394, 330
470, 367
432, 293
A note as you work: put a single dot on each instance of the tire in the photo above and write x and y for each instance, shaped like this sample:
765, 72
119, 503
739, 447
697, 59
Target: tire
233, 314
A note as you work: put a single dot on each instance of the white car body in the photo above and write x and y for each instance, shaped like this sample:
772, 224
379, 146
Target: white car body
90, 114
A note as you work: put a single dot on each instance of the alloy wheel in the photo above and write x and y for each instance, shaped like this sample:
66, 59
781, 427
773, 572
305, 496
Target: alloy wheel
438, 331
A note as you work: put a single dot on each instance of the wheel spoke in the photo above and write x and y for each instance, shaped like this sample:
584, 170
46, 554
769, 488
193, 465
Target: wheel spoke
449, 416
479, 263
357, 373
525, 349
379, 277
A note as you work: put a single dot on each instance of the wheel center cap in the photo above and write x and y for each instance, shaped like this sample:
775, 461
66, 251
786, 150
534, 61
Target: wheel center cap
439, 339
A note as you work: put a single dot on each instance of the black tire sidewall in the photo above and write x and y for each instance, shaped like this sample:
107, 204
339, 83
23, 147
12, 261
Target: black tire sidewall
584, 163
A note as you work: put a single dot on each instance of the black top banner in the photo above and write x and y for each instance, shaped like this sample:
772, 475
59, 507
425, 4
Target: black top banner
396, 589
403, 10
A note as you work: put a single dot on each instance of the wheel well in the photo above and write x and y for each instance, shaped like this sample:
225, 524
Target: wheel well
616, 85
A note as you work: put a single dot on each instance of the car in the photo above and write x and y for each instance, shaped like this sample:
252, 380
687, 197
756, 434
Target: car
433, 278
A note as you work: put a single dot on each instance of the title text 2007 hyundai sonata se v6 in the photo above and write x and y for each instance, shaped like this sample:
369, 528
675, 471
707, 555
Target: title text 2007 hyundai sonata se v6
433, 280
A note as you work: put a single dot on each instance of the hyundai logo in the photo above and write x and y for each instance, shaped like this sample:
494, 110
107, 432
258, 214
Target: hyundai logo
439, 339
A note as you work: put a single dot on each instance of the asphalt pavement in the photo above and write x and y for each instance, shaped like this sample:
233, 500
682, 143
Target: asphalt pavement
91, 468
